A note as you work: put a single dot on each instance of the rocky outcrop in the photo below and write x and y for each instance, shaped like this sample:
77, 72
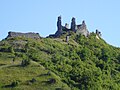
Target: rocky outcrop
26, 35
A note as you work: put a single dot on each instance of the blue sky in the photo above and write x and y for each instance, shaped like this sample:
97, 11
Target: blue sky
41, 16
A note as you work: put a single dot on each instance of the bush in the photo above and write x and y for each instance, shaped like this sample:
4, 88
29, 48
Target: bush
10, 49
14, 84
25, 63
52, 81
33, 80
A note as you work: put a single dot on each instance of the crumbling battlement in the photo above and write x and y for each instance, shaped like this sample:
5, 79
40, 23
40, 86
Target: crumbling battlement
26, 35
78, 29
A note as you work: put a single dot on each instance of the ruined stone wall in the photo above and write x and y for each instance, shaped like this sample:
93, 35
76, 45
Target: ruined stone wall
84, 32
82, 29
78, 29
26, 35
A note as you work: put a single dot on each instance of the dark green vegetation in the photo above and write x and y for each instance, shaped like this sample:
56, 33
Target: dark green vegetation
53, 64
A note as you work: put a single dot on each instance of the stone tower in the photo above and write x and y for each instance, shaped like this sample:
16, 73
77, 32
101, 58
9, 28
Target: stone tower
77, 29
73, 25
83, 24
59, 24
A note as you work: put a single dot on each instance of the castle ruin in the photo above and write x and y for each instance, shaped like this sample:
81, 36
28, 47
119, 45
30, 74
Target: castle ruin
78, 29
26, 35
98, 33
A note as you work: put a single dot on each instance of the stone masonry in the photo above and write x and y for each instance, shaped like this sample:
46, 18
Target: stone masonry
26, 35
78, 29
73, 25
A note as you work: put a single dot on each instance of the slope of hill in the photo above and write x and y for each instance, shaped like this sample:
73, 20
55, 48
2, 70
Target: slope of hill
54, 64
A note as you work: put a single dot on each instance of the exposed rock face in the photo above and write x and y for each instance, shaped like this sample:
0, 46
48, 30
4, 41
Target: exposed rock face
26, 35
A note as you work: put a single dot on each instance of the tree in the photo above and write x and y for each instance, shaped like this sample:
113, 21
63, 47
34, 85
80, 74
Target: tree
10, 49
25, 63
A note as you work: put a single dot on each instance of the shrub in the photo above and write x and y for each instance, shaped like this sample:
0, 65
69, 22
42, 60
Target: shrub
25, 63
33, 80
52, 81
10, 49
14, 84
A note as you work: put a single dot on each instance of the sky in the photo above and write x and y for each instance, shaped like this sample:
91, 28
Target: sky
40, 16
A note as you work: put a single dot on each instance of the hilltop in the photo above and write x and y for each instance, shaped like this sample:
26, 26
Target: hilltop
80, 62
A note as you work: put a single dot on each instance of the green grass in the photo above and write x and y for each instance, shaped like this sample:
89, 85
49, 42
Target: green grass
80, 64
10, 72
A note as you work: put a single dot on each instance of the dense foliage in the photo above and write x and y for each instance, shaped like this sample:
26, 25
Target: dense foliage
82, 63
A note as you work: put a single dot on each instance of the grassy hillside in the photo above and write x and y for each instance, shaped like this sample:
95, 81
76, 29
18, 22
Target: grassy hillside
54, 64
